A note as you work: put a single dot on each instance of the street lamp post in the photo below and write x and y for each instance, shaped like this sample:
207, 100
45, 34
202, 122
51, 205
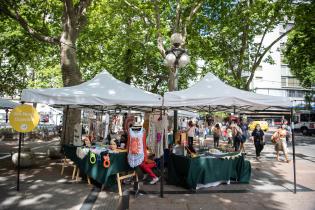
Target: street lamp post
176, 58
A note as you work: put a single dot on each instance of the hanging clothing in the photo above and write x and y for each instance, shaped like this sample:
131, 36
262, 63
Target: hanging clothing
157, 135
129, 121
135, 147
106, 128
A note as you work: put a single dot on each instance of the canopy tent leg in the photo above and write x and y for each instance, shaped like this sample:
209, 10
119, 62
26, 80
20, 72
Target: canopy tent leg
293, 148
64, 127
175, 125
162, 158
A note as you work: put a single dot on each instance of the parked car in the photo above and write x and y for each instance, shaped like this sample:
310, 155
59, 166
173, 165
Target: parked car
263, 124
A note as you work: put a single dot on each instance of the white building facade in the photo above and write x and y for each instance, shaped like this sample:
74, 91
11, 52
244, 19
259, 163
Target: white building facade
276, 79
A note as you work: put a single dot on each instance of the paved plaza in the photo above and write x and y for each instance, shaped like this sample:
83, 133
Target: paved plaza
271, 186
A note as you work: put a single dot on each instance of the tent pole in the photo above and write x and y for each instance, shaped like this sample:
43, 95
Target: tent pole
162, 162
293, 148
65, 123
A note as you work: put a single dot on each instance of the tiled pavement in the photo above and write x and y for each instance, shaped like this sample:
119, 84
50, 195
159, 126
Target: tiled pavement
271, 186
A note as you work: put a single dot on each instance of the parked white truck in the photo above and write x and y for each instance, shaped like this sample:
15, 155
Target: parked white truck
304, 122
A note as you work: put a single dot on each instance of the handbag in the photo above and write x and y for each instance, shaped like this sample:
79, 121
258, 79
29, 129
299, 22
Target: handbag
275, 137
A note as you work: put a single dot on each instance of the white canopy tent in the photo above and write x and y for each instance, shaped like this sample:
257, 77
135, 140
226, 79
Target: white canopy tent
212, 92
102, 90
7, 104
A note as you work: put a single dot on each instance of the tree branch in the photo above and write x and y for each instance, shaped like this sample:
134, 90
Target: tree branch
177, 17
242, 51
23, 23
80, 8
256, 64
193, 11
158, 28
260, 43
140, 11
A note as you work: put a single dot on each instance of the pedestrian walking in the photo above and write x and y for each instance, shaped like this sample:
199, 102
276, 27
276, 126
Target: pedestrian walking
279, 139
259, 140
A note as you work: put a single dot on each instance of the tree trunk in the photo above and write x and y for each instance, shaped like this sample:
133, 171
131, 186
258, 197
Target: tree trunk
70, 71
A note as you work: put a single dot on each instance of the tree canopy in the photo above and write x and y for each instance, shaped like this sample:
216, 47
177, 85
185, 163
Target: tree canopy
300, 47
128, 37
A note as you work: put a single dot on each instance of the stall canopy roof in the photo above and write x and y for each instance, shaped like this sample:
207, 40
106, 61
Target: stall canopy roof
7, 104
102, 90
212, 92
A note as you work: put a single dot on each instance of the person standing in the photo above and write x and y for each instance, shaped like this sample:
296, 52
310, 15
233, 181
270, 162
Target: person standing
259, 141
216, 135
237, 136
183, 124
223, 132
191, 135
229, 134
279, 138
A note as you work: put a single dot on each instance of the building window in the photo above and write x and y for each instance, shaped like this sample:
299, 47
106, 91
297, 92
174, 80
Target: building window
284, 82
290, 82
296, 93
293, 82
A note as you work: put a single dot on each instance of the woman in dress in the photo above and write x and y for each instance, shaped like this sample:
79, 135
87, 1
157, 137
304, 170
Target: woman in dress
279, 138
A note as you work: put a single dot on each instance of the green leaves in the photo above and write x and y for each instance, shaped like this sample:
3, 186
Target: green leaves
121, 37
300, 47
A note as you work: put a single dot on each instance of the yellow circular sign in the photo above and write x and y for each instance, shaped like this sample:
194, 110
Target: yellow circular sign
24, 118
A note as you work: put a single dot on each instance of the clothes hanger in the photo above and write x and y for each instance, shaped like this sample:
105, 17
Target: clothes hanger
136, 127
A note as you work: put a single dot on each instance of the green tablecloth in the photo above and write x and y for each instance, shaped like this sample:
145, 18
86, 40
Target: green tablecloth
188, 172
106, 176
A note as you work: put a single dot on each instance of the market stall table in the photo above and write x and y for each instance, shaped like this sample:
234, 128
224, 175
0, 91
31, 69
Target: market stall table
105, 176
189, 172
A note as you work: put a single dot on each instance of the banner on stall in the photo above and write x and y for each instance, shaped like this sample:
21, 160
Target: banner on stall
24, 118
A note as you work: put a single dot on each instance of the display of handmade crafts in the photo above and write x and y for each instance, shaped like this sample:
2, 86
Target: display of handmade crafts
92, 158
106, 162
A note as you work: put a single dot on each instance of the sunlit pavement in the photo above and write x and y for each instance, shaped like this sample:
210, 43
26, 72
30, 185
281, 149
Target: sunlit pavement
42, 187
